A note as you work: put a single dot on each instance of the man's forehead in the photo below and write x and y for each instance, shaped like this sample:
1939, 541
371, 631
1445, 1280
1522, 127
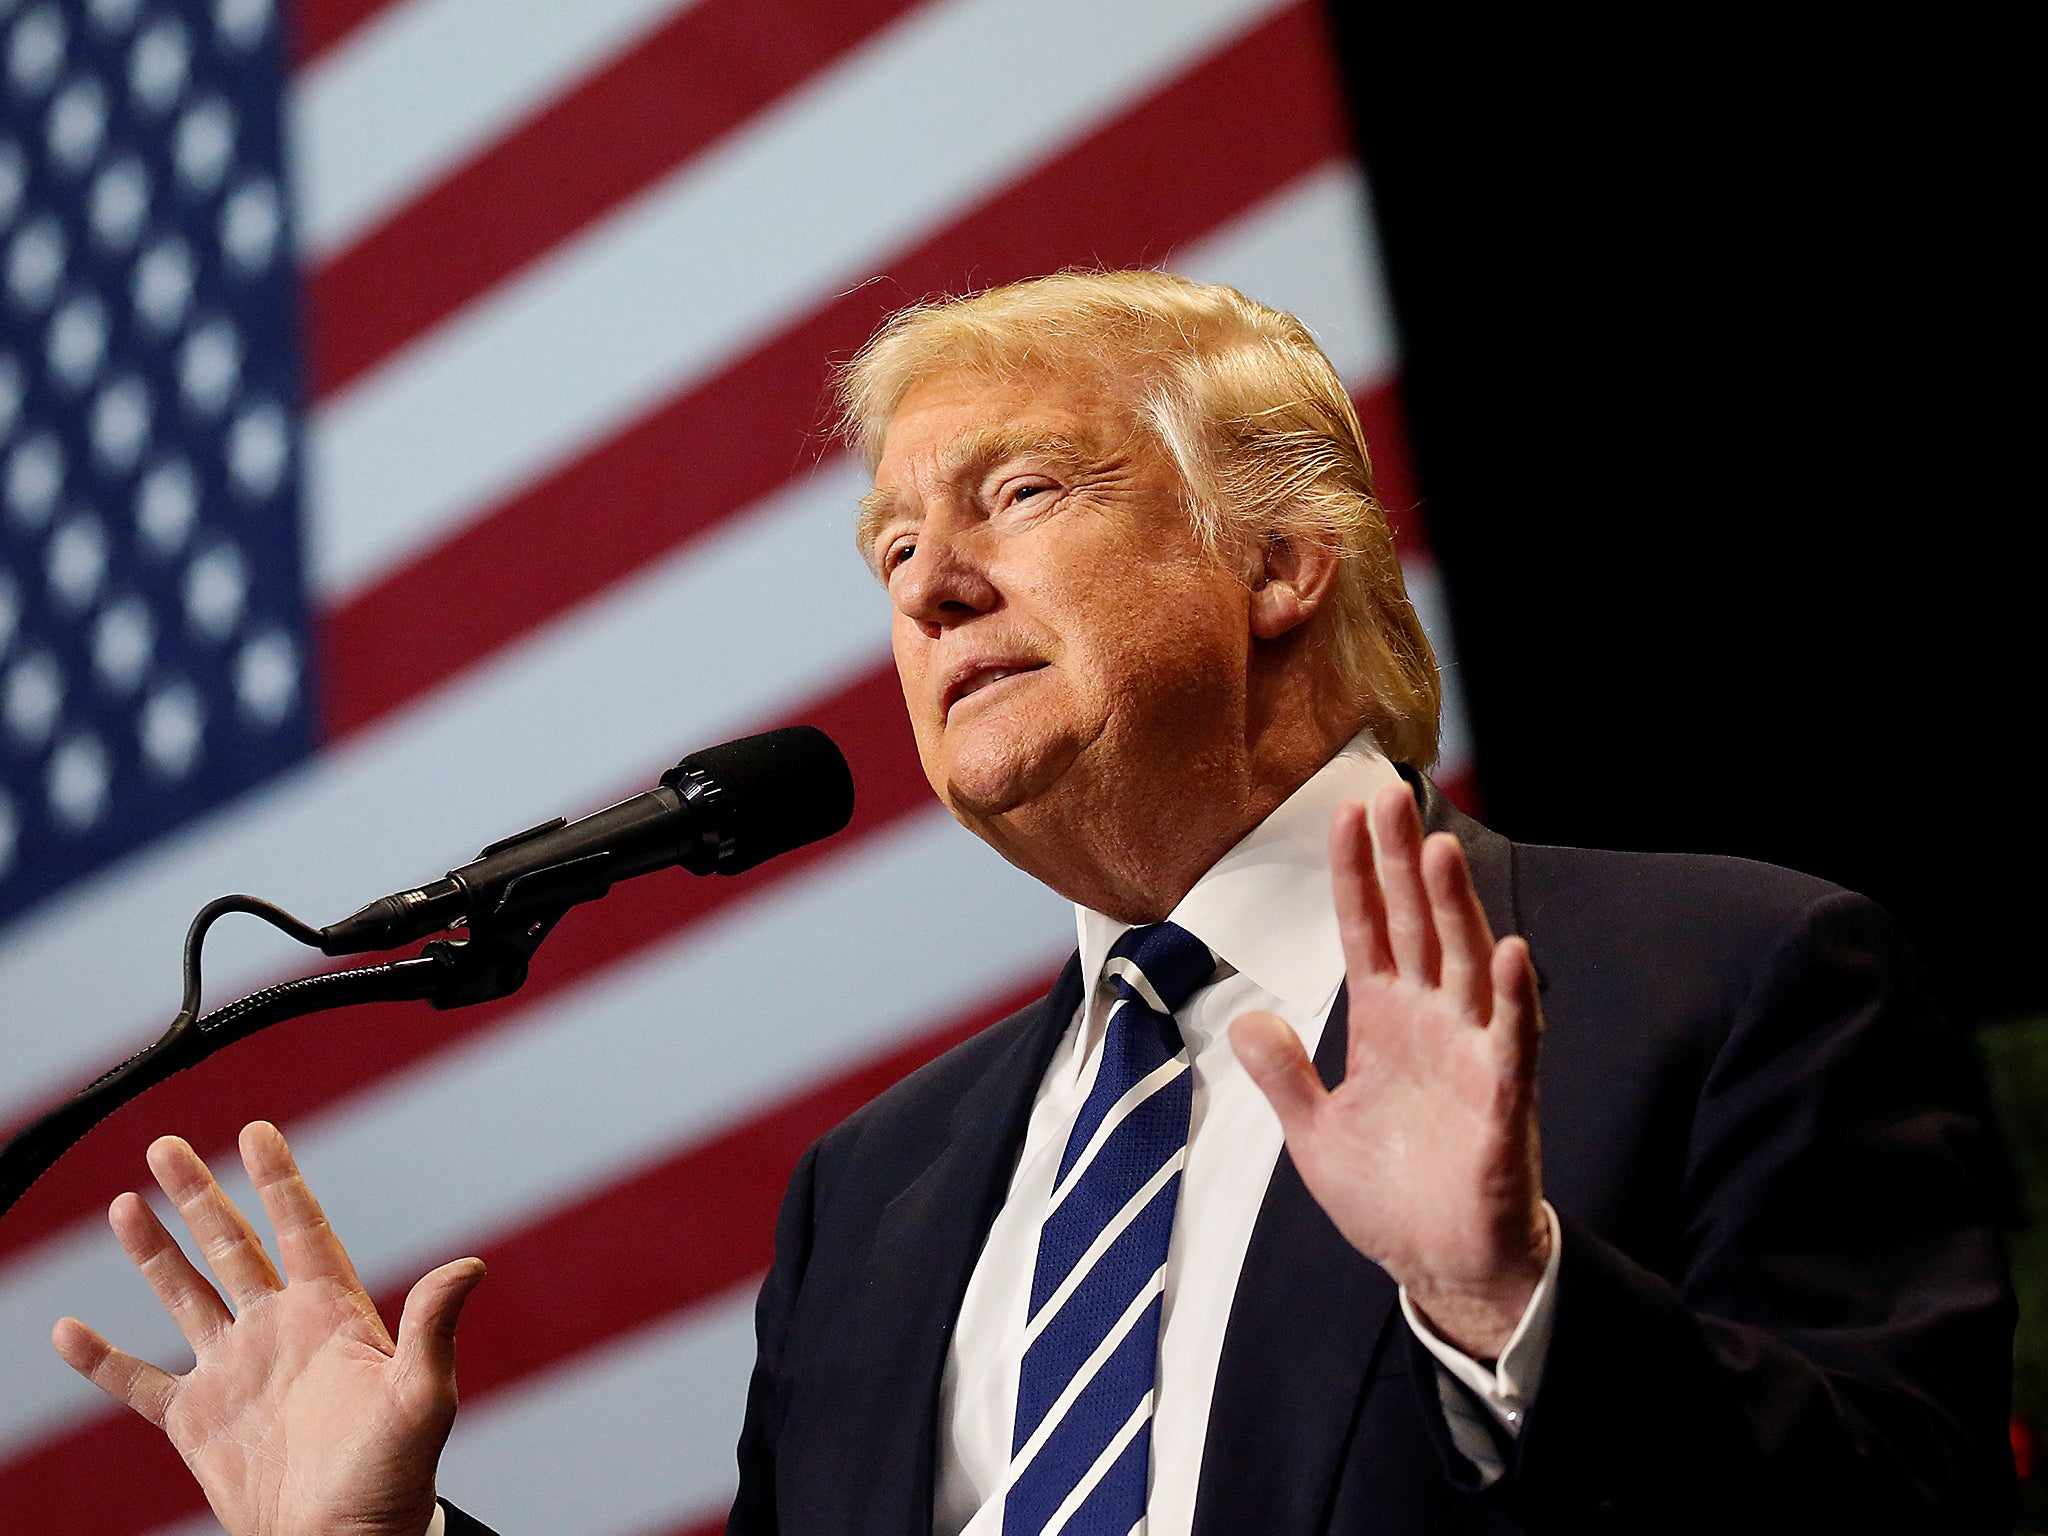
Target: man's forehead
965, 454
960, 421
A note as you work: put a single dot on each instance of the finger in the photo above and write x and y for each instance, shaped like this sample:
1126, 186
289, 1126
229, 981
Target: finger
231, 1248
1273, 1056
306, 1244
1517, 1010
426, 1328
1361, 915
194, 1305
134, 1383
1397, 857
1463, 932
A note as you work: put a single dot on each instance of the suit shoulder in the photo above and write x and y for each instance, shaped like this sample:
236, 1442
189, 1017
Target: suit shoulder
1738, 903
1710, 937
1721, 922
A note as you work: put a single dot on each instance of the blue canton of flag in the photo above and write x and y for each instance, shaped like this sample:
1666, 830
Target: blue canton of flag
153, 619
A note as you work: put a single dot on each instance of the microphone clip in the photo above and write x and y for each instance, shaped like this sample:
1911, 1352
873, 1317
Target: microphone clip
490, 961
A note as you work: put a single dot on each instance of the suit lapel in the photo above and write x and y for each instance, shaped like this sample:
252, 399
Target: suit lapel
1308, 1322
929, 1238
1312, 1315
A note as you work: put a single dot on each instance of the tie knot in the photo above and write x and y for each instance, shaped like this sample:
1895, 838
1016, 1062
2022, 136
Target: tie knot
1162, 964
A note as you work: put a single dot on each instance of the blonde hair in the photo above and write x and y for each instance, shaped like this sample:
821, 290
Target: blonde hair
1255, 419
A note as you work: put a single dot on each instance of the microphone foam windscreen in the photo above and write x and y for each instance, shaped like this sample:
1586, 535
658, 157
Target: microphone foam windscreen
785, 788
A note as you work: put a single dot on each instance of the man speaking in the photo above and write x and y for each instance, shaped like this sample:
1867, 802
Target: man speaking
1363, 1171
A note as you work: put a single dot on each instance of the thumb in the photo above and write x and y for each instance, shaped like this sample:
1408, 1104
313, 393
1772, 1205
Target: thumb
426, 1328
1271, 1052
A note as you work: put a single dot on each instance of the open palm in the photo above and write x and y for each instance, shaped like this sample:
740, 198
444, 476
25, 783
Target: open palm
301, 1416
1425, 1156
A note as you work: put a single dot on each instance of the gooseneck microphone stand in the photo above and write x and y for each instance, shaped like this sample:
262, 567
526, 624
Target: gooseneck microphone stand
719, 811
489, 962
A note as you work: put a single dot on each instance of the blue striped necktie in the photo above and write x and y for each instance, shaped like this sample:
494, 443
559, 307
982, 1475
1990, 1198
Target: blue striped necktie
1081, 1452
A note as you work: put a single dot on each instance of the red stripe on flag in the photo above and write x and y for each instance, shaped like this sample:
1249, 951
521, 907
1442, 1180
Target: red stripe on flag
317, 25
703, 73
296, 1068
668, 477
1393, 465
122, 1463
660, 1240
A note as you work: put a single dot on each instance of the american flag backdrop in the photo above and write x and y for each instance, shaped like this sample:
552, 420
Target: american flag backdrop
413, 426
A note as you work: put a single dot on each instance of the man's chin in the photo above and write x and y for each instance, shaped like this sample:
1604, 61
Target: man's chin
994, 782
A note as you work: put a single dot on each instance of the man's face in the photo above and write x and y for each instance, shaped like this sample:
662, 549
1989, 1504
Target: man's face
1070, 655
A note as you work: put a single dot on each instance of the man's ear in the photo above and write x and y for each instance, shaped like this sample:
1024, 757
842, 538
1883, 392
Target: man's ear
1290, 582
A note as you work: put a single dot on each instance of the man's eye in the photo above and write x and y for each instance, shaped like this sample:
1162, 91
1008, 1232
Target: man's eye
897, 553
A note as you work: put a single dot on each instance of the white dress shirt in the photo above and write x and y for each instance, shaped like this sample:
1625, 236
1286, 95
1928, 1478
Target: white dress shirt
1265, 910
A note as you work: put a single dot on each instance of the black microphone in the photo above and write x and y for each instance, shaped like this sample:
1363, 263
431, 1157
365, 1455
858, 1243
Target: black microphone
719, 811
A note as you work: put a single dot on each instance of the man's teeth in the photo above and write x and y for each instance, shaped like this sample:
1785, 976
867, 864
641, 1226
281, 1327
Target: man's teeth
992, 676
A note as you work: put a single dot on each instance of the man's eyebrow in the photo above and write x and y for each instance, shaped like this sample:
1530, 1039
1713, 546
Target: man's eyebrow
876, 508
983, 448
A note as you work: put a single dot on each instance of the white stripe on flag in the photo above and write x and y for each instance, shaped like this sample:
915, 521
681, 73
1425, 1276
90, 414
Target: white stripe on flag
693, 272
652, 1056
651, 1420
424, 86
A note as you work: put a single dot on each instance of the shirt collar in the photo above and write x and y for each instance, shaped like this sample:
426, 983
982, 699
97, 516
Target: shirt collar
1264, 908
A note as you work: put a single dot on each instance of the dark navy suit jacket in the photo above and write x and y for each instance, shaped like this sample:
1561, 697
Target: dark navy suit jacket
1782, 1302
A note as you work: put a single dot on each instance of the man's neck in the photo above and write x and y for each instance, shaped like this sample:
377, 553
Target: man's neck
1264, 907
1132, 857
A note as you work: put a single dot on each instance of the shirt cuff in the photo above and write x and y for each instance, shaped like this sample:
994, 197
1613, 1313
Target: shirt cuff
1506, 1388
438, 1526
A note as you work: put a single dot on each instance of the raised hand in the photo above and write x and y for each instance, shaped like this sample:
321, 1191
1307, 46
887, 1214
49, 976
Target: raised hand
300, 1416
1426, 1155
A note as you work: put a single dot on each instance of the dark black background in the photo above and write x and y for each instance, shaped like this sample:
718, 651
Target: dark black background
1713, 361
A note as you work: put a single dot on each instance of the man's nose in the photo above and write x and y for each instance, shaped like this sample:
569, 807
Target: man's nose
943, 582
